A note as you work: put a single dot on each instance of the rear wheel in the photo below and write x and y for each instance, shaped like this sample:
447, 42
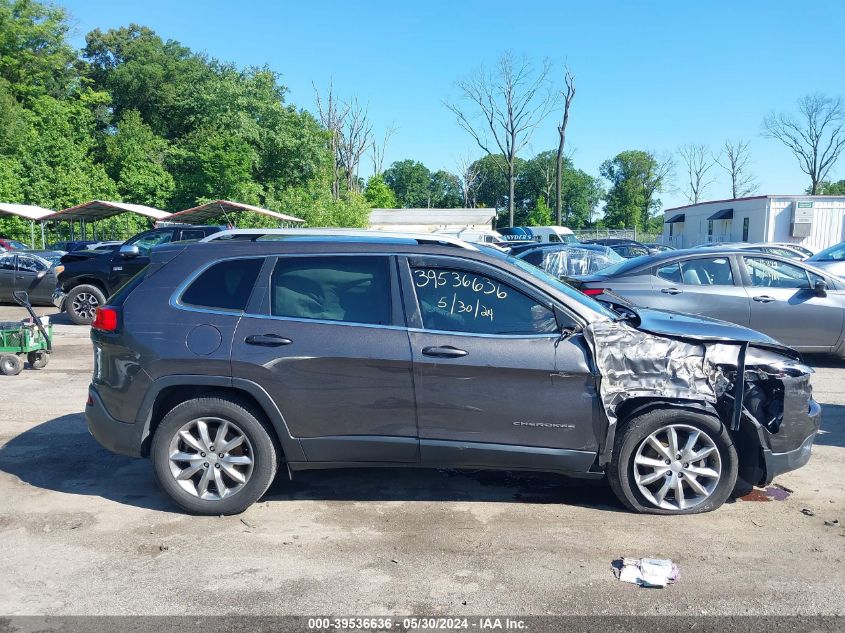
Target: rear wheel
10, 365
38, 359
82, 303
673, 462
214, 456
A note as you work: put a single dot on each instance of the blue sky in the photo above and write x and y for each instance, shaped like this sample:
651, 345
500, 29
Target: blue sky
650, 75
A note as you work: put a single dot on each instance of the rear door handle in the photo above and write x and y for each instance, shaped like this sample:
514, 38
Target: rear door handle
763, 299
671, 291
267, 340
446, 351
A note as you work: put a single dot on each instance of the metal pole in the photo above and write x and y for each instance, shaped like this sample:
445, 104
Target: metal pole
32, 233
43, 239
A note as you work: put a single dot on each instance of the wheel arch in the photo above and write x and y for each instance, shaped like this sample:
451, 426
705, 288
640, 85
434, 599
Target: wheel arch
88, 280
165, 393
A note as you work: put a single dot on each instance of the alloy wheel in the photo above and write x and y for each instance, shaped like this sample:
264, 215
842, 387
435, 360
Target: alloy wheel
677, 467
211, 458
85, 305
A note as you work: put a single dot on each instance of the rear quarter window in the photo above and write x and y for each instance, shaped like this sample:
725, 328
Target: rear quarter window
225, 285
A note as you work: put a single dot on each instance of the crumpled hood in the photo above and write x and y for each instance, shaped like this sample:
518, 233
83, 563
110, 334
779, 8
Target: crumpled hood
699, 328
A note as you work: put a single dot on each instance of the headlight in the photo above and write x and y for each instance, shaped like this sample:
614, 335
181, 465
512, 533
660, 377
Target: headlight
58, 269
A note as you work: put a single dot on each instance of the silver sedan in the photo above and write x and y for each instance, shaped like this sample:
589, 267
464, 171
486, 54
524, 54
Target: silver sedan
793, 302
830, 259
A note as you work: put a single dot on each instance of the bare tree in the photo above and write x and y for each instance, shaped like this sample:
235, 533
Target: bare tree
660, 179
472, 177
816, 136
355, 137
333, 117
378, 150
698, 162
568, 95
735, 159
510, 101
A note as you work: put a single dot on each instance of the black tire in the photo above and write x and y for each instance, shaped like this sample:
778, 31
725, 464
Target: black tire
10, 365
81, 303
254, 427
634, 432
38, 359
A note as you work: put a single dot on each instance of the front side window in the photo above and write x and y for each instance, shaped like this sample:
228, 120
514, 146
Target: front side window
458, 301
350, 289
670, 272
773, 273
705, 271
145, 243
30, 264
224, 285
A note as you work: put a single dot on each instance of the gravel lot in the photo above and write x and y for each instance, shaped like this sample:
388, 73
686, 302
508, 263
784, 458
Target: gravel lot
87, 532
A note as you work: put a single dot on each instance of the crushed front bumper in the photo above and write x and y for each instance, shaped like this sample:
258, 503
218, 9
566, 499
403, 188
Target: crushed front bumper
782, 462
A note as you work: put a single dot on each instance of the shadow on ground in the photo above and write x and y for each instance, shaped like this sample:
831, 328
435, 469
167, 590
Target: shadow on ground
60, 455
832, 431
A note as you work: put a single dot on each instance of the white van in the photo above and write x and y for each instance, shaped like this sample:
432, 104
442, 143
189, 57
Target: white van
554, 234
484, 236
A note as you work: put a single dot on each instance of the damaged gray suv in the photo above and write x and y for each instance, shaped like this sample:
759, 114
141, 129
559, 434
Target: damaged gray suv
250, 352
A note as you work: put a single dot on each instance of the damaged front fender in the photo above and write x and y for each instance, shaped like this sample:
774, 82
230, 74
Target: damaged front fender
740, 382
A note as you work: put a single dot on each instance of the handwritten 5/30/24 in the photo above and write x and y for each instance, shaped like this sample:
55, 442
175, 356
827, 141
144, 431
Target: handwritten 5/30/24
441, 278
474, 308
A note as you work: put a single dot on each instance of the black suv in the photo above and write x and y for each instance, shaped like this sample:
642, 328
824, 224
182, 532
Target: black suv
228, 359
87, 278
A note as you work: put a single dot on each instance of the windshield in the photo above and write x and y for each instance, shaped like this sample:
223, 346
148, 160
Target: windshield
833, 253
563, 287
624, 266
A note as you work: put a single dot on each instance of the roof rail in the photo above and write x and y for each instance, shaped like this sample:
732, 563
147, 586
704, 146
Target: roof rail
364, 234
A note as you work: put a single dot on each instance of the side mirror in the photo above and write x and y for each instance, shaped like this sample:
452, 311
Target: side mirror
128, 251
40, 275
821, 288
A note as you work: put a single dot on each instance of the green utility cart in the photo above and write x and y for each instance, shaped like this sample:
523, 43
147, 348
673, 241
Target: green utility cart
21, 338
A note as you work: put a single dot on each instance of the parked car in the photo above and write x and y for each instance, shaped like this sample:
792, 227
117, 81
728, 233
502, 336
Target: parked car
796, 247
624, 247
567, 260
480, 236
32, 271
87, 277
800, 306
771, 249
831, 259
659, 248
12, 245
228, 360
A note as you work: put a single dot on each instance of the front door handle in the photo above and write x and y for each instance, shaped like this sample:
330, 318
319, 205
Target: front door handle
446, 351
671, 291
763, 299
267, 340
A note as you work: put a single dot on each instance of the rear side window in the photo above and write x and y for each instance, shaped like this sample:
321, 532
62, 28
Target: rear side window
225, 285
350, 289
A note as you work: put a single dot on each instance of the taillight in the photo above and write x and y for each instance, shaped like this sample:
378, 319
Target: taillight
592, 292
106, 319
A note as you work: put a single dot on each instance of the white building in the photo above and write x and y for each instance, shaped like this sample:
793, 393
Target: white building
812, 221
430, 220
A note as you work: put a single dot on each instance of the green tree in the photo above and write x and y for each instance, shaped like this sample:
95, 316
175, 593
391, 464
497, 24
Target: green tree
445, 190
135, 159
411, 182
541, 214
35, 58
827, 188
379, 195
635, 177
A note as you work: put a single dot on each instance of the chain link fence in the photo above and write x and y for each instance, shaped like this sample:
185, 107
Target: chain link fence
630, 234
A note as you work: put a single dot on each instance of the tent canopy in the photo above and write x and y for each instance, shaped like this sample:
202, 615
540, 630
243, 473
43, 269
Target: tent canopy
26, 211
100, 209
204, 213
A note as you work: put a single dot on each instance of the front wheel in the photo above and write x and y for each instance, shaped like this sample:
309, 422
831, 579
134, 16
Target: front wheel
82, 303
214, 456
38, 359
669, 461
